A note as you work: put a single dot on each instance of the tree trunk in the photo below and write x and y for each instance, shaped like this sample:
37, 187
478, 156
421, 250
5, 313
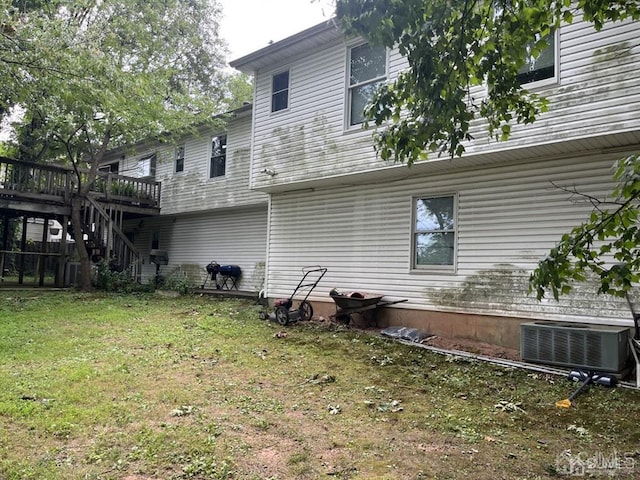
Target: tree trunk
81, 248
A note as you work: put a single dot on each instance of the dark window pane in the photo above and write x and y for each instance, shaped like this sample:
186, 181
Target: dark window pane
180, 158
219, 146
360, 97
218, 156
281, 82
218, 165
280, 91
279, 101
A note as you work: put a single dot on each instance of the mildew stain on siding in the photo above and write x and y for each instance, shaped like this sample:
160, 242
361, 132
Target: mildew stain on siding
505, 289
612, 53
497, 287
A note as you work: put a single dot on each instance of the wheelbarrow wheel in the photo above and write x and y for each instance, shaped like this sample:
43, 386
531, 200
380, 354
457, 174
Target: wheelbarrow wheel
306, 310
282, 315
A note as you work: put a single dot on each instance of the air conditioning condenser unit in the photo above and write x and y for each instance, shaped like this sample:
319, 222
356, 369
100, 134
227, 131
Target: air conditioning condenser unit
598, 348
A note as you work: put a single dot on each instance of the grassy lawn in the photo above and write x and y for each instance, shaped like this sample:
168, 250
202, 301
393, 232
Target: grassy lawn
147, 388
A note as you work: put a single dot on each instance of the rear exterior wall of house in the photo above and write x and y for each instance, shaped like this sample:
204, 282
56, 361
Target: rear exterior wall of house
335, 204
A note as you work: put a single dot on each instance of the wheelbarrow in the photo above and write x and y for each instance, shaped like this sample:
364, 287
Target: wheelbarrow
349, 303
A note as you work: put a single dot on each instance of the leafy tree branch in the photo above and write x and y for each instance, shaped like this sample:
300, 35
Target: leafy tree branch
606, 245
452, 48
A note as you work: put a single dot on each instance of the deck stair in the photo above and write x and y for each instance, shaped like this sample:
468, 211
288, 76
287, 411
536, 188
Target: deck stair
45, 191
106, 240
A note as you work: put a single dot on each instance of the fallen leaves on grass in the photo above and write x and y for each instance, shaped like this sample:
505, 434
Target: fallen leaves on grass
182, 411
317, 379
510, 407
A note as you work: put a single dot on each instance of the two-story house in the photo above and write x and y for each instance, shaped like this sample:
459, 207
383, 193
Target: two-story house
207, 212
457, 238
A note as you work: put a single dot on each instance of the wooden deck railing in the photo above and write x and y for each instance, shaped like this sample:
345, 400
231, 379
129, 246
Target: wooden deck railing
56, 183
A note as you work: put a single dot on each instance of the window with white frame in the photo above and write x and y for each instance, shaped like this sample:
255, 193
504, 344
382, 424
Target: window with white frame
434, 232
180, 158
280, 91
218, 156
147, 166
367, 71
540, 65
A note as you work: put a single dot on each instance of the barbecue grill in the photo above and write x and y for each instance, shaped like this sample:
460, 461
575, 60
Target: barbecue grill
229, 276
158, 257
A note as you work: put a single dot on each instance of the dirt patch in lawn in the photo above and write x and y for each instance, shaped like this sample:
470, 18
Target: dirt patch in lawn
471, 346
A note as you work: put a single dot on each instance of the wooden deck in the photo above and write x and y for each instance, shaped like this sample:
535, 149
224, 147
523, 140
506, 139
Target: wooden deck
47, 189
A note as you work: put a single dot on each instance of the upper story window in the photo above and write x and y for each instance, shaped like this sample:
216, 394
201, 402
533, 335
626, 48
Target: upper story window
109, 167
180, 158
218, 156
542, 66
280, 91
434, 232
367, 70
147, 166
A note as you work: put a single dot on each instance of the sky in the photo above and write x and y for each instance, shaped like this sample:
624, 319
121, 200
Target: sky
249, 25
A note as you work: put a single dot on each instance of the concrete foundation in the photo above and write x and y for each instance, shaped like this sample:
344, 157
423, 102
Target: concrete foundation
502, 331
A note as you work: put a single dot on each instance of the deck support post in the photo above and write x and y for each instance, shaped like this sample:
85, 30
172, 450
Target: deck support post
42, 258
23, 248
62, 262
5, 245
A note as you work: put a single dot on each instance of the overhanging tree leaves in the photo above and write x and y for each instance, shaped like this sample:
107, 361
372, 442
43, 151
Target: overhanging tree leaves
452, 47
91, 74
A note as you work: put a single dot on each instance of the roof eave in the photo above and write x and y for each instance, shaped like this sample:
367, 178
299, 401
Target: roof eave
247, 64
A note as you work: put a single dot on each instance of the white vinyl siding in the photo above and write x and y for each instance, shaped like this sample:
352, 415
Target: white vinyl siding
230, 237
508, 218
193, 190
597, 93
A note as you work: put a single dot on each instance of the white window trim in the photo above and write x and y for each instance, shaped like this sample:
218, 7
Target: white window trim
272, 93
430, 269
348, 87
551, 81
146, 165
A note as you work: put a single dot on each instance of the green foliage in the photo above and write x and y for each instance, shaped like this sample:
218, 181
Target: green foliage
87, 74
606, 245
177, 280
112, 280
452, 47
239, 88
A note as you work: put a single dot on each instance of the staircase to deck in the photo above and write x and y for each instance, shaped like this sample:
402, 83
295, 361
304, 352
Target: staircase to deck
106, 239
45, 191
